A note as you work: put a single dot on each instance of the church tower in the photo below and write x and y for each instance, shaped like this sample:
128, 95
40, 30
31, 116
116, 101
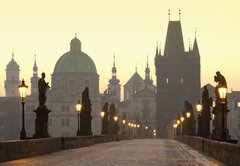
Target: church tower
12, 78
148, 81
178, 77
114, 88
34, 78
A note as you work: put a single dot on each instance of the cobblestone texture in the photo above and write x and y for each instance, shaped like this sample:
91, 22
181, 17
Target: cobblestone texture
150, 152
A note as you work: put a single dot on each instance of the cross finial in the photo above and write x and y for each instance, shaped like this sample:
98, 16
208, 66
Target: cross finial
75, 35
136, 68
195, 32
179, 15
114, 60
169, 14
147, 60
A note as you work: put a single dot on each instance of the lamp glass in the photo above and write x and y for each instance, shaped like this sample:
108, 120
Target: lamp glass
22, 89
222, 92
188, 114
124, 121
102, 114
182, 119
178, 121
199, 107
115, 118
78, 106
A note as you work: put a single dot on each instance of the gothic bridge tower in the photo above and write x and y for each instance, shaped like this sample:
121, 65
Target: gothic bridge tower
178, 77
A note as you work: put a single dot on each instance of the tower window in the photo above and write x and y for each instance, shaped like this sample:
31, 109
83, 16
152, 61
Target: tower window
181, 80
167, 80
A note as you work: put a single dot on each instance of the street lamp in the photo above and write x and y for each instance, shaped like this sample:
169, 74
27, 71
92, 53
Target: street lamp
182, 119
222, 91
199, 107
124, 121
146, 127
22, 91
188, 114
102, 114
78, 108
115, 118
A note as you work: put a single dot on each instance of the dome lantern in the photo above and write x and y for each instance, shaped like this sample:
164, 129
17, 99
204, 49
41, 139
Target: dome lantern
75, 45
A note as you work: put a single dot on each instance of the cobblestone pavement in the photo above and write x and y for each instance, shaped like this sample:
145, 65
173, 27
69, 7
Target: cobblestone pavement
150, 152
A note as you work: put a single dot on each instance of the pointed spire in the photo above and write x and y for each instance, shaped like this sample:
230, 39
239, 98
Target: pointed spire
189, 45
160, 52
195, 49
35, 61
147, 61
156, 50
179, 15
169, 14
12, 55
136, 68
114, 60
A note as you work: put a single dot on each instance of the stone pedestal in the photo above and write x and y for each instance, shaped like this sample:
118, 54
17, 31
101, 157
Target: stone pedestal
217, 124
41, 122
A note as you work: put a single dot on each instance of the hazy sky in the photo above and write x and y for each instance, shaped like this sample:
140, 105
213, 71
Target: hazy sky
130, 28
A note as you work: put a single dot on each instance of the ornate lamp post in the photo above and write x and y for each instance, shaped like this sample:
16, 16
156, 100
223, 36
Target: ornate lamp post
22, 91
223, 95
182, 119
199, 109
78, 108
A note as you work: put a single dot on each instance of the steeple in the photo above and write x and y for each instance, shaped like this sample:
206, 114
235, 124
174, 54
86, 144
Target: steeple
114, 70
195, 51
156, 50
147, 80
35, 68
147, 71
160, 52
34, 78
114, 79
174, 40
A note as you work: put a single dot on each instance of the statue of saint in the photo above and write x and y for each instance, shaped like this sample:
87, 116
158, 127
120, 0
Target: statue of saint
220, 79
42, 88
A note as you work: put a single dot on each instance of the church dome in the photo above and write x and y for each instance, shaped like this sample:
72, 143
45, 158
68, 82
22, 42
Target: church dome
75, 61
12, 65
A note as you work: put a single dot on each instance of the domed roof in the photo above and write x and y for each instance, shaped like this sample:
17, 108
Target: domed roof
12, 65
75, 61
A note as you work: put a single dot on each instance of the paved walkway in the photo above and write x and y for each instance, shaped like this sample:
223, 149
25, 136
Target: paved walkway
149, 152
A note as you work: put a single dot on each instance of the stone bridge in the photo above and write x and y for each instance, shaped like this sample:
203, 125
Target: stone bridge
126, 152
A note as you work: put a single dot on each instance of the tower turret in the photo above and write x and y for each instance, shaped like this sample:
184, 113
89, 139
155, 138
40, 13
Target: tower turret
114, 87
12, 78
34, 78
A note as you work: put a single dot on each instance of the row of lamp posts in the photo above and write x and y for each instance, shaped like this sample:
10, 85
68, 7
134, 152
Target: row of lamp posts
219, 110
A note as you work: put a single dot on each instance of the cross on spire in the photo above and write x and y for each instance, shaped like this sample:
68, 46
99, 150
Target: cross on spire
169, 14
179, 15
12, 55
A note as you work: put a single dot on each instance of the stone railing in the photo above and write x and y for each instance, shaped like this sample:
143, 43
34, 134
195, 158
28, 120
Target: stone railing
227, 153
10, 150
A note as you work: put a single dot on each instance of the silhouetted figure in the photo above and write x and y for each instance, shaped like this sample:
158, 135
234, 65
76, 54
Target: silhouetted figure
85, 114
189, 122
206, 116
41, 122
42, 88
113, 125
105, 119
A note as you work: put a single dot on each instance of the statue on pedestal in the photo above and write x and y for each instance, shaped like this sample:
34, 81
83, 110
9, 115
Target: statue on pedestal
220, 110
41, 122
85, 114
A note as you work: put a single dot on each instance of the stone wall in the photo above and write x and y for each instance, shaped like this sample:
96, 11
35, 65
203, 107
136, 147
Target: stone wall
10, 150
227, 153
